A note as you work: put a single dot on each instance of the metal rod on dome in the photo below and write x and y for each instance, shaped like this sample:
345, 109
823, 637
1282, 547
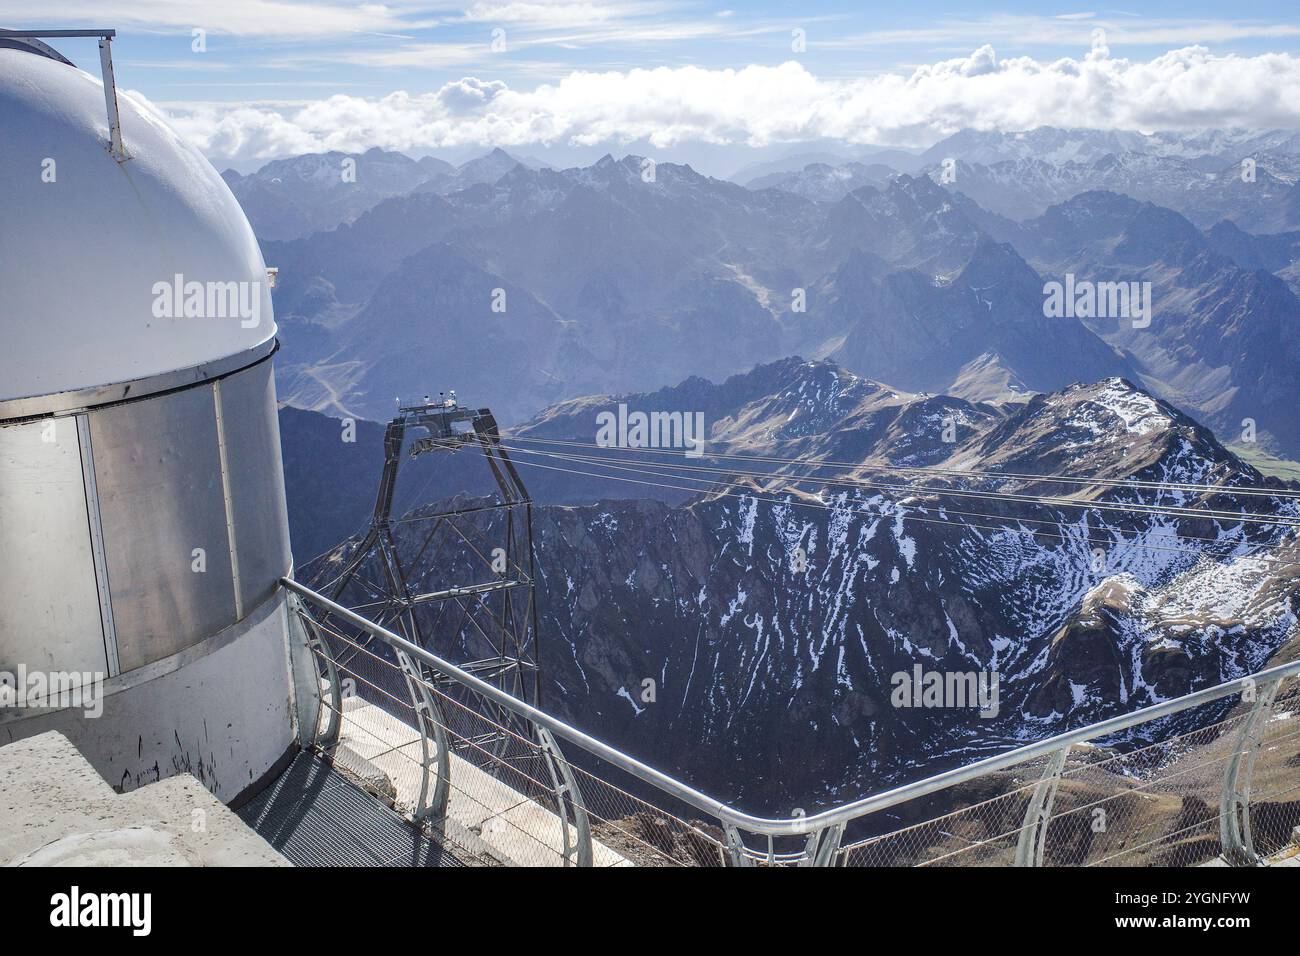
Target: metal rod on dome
56, 34
110, 99
115, 146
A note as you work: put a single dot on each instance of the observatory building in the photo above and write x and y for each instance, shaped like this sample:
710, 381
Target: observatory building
143, 530
158, 659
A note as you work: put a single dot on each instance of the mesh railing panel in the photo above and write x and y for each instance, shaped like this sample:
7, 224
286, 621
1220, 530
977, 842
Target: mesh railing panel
983, 832
502, 779
1154, 805
1115, 803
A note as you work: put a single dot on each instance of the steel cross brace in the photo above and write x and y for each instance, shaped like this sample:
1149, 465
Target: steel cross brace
1238, 847
1033, 831
434, 749
568, 800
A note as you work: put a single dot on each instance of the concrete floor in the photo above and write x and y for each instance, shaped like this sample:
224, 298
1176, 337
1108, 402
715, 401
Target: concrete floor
485, 816
56, 810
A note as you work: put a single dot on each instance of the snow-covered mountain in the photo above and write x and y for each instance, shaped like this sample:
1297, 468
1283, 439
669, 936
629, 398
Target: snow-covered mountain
824, 182
625, 275
484, 169
1210, 148
1025, 187
1046, 143
288, 198
293, 198
1222, 340
1020, 174
772, 614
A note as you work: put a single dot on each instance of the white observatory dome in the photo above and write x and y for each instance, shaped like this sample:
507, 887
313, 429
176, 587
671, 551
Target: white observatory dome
143, 527
86, 241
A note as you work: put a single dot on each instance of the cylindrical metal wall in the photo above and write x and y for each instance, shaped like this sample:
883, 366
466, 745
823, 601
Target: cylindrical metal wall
49, 599
142, 516
141, 537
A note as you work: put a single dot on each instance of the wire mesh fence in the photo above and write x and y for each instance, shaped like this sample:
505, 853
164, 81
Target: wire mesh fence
507, 801
1154, 805
493, 783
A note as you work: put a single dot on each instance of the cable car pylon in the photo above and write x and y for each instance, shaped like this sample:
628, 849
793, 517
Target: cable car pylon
492, 541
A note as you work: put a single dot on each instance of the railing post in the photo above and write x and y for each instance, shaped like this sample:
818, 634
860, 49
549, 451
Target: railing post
821, 846
433, 745
1238, 847
736, 846
568, 798
316, 651
1033, 831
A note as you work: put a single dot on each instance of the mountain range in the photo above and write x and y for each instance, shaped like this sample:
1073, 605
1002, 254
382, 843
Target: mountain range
292, 198
1223, 335
1242, 176
772, 606
772, 589
626, 274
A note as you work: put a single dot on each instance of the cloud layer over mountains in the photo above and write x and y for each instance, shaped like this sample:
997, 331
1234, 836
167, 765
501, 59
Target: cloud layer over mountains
763, 105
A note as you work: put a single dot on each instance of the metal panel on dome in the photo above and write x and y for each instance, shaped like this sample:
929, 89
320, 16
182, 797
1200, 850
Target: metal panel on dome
105, 244
161, 500
251, 431
49, 604
32, 45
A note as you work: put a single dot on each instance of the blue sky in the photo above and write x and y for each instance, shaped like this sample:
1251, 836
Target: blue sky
284, 51
284, 59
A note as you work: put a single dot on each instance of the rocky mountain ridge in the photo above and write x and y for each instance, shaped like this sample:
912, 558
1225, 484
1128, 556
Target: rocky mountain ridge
771, 612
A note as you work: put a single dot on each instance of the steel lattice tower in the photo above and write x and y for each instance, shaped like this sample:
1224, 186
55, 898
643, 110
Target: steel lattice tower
465, 590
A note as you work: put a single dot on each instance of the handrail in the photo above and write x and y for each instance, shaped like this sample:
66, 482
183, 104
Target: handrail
796, 826
572, 734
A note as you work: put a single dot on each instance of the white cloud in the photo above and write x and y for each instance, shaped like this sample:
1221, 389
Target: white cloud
1066, 30
326, 18
289, 18
556, 13
761, 105
469, 94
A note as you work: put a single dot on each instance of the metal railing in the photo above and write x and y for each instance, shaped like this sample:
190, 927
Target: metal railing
1229, 790
468, 762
